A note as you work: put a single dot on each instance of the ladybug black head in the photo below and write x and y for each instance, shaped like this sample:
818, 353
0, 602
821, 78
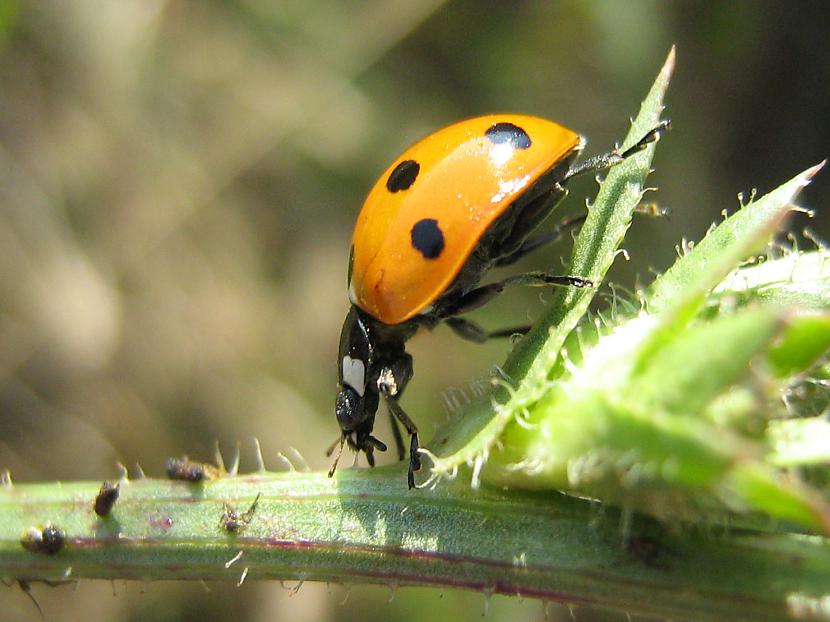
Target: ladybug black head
368, 350
348, 409
356, 416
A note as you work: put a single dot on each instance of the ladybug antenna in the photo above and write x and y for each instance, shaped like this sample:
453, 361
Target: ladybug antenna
342, 441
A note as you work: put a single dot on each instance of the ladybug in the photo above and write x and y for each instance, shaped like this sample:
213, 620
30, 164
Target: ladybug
454, 205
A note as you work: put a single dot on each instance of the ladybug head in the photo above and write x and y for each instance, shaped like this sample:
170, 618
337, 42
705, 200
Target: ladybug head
351, 411
357, 400
356, 416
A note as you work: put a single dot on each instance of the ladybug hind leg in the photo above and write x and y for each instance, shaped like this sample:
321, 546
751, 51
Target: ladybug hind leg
466, 329
469, 330
551, 237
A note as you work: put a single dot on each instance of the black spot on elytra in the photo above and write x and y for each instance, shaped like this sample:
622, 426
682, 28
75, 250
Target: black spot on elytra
403, 176
501, 133
427, 238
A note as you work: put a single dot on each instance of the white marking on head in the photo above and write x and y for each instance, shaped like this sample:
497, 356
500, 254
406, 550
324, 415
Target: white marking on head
354, 374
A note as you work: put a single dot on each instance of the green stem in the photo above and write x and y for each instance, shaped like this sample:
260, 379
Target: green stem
364, 526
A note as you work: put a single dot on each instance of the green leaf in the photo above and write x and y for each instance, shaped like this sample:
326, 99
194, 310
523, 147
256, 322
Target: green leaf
745, 232
797, 279
702, 362
598, 242
759, 488
803, 341
664, 412
679, 294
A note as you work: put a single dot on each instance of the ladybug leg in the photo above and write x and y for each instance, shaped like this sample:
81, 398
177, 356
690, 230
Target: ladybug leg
400, 415
472, 300
396, 432
649, 210
466, 329
480, 296
390, 389
509, 332
531, 244
471, 331
391, 383
607, 160
330, 451
414, 458
540, 279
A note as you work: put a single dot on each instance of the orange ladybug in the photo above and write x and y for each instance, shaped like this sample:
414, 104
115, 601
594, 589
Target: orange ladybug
454, 205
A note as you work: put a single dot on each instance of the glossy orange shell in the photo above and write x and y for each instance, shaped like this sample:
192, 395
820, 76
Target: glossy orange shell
465, 182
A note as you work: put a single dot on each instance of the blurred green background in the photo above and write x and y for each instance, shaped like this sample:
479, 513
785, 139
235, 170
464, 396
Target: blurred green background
178, 183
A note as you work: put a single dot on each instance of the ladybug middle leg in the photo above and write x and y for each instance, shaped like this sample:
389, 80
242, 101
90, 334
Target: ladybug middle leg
396, 430
480, 296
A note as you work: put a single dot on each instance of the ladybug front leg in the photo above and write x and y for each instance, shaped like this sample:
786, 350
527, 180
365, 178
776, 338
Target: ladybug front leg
391, 383
396, 431
400, 415
394, 377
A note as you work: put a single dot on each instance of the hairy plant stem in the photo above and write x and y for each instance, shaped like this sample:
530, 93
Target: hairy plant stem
365, 526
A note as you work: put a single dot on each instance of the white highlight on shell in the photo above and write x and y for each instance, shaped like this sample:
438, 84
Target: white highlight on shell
354, 374
509, 187
501, 153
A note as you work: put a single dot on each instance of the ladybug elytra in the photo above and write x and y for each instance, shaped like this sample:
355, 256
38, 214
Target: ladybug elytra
454, 205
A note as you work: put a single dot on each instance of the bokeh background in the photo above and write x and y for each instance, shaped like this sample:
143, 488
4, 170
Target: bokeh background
178, 183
